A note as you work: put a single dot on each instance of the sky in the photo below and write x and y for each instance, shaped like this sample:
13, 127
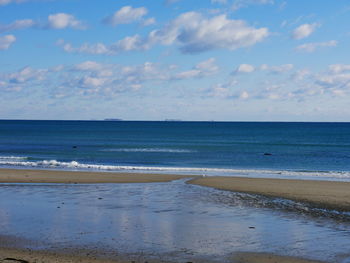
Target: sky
203, 60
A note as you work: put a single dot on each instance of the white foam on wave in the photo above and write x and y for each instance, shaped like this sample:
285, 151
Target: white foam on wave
342, 175
151, 150
13, 158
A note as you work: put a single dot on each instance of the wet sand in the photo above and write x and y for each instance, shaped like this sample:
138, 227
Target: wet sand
70, 177
322, 194
9, 255
30, 256
267, 258
334, 195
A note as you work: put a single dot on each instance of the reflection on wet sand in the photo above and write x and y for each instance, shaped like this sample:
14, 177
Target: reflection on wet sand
173, 219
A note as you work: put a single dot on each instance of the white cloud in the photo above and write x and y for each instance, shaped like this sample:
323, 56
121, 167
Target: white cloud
6, 2
133, 43
92, 82
192, 31
54, 21
304, 30
238, 4
335, 79
277, 69
311, 47
91, 78
6, 41
96, 49
196, 33
219, 91
63, 20
339, 68
202, 69
97, 69
149, 21
108, 79
25, 75
88, 66
298, 86
129, 44
169, 2
207, 67
244, 95
245, 68
219, 1
18, 24
20, 79
300, 75
222, 90
126, 15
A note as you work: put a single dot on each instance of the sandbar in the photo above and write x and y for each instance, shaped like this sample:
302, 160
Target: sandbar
332, 195
70, 177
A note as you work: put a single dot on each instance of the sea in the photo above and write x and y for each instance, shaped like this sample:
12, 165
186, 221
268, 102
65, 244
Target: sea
302, 150
173, 221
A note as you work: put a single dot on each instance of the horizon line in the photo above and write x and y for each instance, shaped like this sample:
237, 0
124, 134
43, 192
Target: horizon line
173, 120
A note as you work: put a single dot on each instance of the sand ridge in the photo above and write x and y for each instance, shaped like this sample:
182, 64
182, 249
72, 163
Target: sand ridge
323, 194
81, 177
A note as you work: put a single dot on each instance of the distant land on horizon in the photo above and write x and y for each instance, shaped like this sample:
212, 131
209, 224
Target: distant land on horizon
112, 119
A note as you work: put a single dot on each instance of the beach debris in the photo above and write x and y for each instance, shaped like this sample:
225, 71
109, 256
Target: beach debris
267, 154
16, 260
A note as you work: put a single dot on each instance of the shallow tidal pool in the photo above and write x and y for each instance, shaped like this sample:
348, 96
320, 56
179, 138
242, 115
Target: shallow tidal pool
172, 221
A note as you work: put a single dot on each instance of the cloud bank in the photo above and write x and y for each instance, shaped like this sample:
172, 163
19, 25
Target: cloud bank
192, 32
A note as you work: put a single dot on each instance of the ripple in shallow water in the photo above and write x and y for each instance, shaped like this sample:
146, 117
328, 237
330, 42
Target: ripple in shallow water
174, 219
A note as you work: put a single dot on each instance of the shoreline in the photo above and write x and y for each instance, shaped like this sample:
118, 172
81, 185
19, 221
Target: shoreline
8, 255
333, 195
330, 195
319, 193
82, 177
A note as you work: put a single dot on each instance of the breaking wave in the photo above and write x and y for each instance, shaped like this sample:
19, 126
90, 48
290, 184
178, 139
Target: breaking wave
13, 161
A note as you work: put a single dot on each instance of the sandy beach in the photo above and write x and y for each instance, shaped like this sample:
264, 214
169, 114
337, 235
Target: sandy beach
322, 194
70, 177
29, 256
326, 194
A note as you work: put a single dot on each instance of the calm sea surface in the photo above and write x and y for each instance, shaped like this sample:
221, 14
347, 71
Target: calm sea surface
292, 150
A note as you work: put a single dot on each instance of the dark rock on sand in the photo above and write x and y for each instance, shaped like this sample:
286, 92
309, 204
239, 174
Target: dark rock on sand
15, 260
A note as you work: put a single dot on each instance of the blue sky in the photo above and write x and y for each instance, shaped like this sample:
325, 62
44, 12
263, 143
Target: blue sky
225, 60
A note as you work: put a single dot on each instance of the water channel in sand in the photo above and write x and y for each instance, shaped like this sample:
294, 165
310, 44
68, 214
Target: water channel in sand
174, 221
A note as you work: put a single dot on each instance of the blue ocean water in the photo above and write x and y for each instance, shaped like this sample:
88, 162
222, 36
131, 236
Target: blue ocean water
269, 149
